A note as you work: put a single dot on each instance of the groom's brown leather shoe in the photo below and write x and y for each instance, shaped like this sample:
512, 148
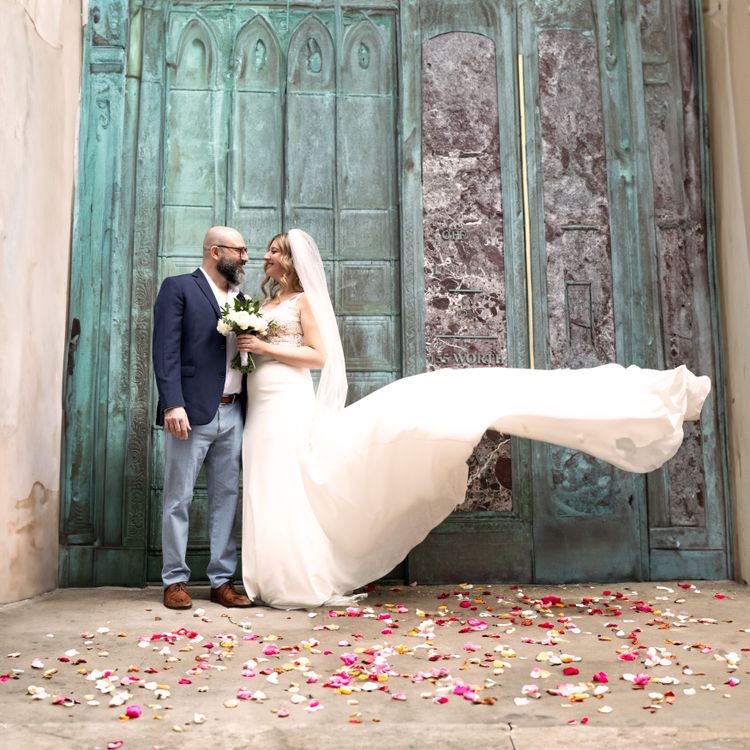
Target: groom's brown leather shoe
228, 597
176, 596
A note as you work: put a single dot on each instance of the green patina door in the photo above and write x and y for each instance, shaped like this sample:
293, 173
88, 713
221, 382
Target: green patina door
274, 119
491, 183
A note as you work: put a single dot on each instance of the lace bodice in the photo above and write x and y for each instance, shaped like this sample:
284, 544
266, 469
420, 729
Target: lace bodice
288, 326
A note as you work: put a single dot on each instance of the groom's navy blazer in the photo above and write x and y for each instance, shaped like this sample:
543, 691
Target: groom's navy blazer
189, 353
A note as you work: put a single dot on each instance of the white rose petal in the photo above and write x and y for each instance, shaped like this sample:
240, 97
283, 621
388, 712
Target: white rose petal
242, 319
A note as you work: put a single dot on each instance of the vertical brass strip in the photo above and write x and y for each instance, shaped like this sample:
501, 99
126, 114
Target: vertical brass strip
526, 222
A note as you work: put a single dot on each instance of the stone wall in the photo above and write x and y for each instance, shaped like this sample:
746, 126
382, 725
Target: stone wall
39, 95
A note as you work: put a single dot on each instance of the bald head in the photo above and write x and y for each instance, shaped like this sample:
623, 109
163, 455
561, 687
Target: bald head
224, 256
218, 236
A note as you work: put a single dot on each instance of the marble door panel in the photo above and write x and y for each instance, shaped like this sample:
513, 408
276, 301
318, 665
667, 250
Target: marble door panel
580, 318
464, 269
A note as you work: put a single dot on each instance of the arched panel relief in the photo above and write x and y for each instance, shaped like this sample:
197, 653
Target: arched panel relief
310, 131
445, 14
367, 68
257, 57
365, 152
312, 58
195, 58
557, 15
367, 253
193, 179
257, 145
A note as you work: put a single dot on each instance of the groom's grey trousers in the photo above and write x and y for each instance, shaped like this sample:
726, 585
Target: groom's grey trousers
218, 446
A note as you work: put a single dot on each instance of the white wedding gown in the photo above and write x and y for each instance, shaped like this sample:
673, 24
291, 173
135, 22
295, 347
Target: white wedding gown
327, 513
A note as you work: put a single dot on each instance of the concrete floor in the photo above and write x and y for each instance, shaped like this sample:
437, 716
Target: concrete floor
486, 649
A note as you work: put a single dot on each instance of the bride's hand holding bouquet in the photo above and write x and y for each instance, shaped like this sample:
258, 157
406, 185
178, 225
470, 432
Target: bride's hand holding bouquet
243, 317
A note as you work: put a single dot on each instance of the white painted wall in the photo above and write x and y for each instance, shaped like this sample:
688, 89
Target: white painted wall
39, 93
727, 24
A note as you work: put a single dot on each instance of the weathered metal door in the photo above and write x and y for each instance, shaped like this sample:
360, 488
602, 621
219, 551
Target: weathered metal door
529, 113
280, 119
491, 182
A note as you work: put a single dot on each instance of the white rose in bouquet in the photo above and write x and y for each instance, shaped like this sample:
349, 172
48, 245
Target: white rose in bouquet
257, 323
242, 318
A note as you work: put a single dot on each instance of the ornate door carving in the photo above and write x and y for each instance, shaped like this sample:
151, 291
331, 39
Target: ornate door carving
393, 134
617, 268
274, 120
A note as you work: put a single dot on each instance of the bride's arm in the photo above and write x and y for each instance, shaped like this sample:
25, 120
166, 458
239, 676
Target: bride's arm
310, 354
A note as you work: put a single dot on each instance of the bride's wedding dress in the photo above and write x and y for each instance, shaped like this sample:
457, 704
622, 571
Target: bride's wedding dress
335, 500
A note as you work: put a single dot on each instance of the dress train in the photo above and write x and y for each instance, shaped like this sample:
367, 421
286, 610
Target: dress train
329, 512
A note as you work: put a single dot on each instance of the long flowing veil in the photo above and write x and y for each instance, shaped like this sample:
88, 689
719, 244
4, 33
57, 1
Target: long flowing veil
331, 393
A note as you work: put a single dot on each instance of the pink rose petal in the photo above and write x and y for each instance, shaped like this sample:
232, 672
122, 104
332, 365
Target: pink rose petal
133, 712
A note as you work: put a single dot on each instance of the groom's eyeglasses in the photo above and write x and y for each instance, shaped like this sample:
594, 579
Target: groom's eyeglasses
240, 250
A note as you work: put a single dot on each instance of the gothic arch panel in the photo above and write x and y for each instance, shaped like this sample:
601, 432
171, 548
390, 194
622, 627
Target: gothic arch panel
310, 131
312, 58
257, 57
194, 62
257, 135
367, 67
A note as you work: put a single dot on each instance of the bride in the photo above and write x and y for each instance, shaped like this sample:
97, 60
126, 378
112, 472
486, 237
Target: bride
335, 497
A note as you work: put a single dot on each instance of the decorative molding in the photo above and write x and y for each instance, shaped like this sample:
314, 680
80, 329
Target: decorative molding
108, 23
148, 167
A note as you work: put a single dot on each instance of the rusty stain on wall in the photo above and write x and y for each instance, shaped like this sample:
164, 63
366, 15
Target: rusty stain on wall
32, 544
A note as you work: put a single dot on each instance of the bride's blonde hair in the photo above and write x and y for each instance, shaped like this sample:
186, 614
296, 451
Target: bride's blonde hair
289, 281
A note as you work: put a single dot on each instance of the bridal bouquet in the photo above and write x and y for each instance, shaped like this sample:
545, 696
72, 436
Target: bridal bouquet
243, 316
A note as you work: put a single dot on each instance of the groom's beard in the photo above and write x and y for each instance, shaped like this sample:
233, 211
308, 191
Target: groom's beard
234, 273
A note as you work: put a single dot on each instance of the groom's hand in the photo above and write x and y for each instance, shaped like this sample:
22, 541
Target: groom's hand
176, 422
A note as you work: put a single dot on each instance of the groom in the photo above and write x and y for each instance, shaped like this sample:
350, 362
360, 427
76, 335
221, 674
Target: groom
201, 410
